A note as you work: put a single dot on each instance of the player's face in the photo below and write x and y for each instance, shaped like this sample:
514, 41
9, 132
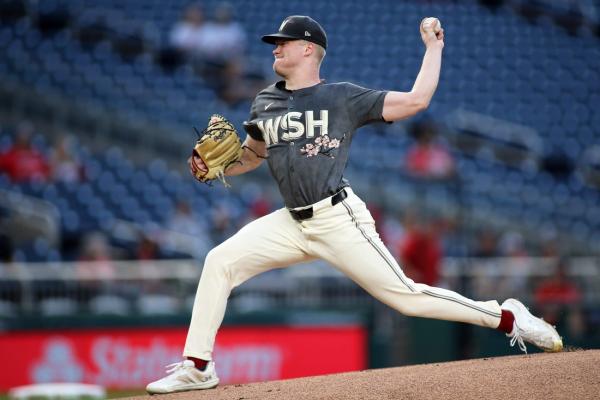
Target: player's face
288, 55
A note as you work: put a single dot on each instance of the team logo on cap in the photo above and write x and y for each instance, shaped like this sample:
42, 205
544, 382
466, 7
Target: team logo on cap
306, 33
283, 24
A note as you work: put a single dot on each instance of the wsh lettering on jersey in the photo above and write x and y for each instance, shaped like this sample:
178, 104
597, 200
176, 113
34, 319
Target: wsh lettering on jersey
292, 127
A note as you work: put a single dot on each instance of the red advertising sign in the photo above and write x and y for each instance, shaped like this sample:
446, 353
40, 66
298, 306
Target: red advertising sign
130, 358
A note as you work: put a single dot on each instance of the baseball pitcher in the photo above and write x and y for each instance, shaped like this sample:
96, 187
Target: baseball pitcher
303, 127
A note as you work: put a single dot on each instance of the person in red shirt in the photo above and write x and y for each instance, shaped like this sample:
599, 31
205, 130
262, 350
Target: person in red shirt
558, 290
428, 158
23, 163
260, 207
559, 301
421, 251
147, 248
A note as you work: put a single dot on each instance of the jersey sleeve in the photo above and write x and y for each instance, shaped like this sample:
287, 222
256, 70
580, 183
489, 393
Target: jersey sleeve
365, 105
251, 126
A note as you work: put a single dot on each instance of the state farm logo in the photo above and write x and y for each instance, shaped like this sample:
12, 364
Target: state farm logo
58, 364
117, 362
120, 364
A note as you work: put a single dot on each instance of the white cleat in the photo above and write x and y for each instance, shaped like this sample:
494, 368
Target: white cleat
531, 329
184, 376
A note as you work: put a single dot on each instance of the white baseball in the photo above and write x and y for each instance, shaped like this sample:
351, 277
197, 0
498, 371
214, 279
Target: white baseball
432, 23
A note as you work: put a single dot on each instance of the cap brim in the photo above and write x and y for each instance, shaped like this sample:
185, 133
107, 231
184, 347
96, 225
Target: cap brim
273, 38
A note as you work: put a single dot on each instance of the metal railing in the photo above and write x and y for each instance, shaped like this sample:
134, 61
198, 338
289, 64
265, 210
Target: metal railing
168, 287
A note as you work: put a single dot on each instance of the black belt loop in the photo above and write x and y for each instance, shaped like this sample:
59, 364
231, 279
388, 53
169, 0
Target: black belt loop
338, 197
300, 215
306, 213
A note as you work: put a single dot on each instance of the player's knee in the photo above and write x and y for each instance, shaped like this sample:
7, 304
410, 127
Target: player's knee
215, 261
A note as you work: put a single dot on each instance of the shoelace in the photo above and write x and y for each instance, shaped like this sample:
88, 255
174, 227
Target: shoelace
174, 367
519, 340
171, 368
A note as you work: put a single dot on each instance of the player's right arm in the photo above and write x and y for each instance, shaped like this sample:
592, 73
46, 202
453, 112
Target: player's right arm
401, 105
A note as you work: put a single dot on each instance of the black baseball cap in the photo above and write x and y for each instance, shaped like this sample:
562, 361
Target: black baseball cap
299, 27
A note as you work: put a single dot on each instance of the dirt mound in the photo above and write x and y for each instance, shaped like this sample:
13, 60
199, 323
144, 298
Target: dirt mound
567, 375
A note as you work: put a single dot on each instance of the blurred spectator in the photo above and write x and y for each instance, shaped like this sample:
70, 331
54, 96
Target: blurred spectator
186, 232
486, 245
391, 232
65, 165
147, 248
378, 216
558, 300
96, 250
187, 33
222, 223
224, 46
420, 250
223, 40
557, 291
235, 85
22, 162
428, 158
512, 244
183, 220
217, 49
550, 244
218, 42
260, 206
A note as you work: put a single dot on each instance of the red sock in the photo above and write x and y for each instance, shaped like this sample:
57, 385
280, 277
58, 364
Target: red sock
198, 363
506, 321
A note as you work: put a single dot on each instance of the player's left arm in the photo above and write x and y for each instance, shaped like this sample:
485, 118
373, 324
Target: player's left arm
254, 153
401, 105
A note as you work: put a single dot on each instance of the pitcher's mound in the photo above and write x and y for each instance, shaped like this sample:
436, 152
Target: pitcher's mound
568, 375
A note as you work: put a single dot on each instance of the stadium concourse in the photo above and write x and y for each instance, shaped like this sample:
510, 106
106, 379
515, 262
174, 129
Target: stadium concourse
98, 100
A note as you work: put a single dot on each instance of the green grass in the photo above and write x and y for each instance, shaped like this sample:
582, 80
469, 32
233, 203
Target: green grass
114, 394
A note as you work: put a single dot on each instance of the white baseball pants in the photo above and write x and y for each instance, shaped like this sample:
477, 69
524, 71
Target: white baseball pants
345, 236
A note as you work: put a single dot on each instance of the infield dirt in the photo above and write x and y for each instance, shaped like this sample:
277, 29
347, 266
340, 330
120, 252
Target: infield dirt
567, 375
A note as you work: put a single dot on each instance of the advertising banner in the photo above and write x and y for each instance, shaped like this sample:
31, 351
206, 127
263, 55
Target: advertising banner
130, 358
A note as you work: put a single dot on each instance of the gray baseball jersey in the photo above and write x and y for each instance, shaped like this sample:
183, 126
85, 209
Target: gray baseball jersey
308, 134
